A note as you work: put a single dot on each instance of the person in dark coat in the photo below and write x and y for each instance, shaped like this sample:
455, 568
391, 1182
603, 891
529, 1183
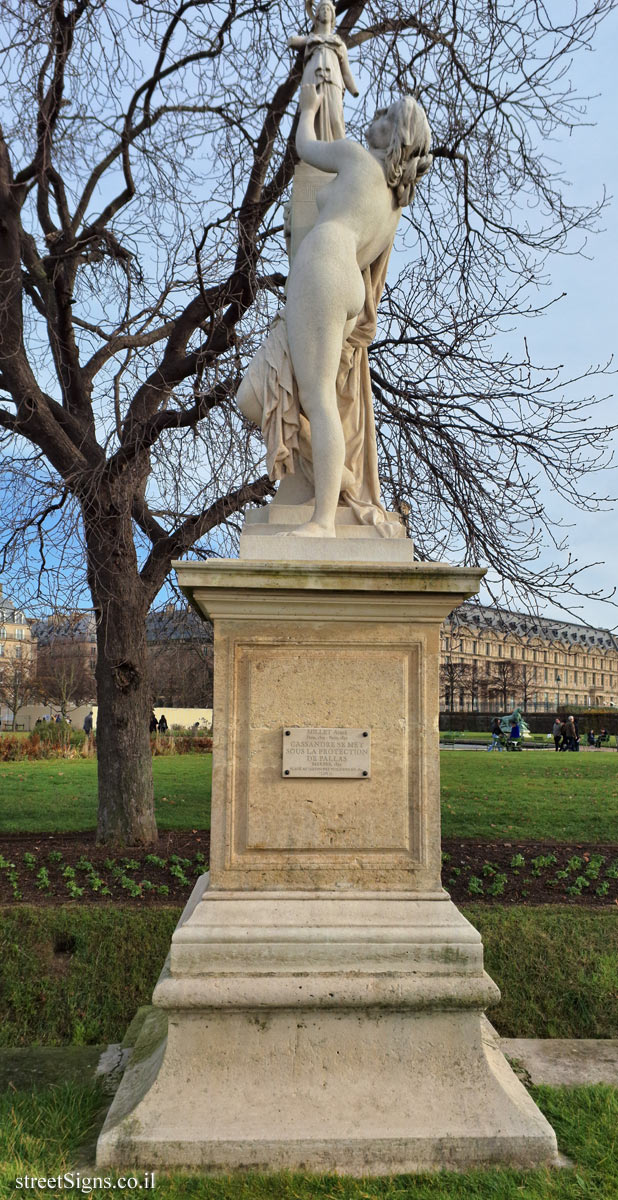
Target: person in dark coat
153, 723
162, 724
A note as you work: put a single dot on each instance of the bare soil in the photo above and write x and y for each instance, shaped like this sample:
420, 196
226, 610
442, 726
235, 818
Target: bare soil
474, 870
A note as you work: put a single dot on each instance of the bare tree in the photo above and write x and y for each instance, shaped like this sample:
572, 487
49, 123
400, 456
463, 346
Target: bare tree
453, 680
529, 685
64, 676
19, 686
505, 683
145, 152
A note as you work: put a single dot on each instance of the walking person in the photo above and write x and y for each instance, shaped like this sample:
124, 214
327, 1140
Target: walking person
152, 724
162, 724
496, 731
571, 738
557, 732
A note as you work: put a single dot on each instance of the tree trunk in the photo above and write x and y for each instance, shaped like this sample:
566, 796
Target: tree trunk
126, 796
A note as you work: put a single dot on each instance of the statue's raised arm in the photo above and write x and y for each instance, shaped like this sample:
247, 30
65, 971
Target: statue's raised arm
298, 385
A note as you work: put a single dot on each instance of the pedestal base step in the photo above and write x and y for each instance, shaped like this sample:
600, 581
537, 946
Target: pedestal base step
351, 1093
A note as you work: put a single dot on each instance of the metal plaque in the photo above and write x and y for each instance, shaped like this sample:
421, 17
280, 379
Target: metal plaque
316, 752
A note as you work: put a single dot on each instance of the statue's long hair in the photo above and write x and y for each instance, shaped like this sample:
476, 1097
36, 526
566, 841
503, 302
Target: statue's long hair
407, 156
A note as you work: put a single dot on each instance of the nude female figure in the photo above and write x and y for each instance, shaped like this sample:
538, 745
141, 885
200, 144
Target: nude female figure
358, 214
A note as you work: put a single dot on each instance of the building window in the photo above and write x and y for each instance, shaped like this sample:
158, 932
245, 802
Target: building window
487, 648
475, 647
19, 634
461, 645
545, 659
2, 633
499, 651
575, 679
602, 681
512, 652
546, 675
18, 652
534, 656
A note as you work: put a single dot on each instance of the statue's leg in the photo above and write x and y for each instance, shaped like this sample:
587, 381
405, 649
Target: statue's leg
322, 299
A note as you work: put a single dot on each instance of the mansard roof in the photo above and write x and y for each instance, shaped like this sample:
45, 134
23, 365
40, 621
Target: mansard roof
77, 626
524, 625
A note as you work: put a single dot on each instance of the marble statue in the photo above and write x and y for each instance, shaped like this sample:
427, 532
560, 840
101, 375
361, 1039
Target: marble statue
308, 386
327, 67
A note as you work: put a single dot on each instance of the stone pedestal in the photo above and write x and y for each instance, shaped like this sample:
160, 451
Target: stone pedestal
321, 1006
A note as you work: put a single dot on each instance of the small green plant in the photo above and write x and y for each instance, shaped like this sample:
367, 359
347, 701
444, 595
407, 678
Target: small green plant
179, 874
95, 881
13, 878
575, 863
29, 860
488, 868
129, 864
162, 889
541, 862
130, 886
4, 863
611, 872
602, 889
54, 856
42, 879
68, 873
578, 886
83, 864
593, 867
475, 886
445, 857
154, 861
180, 862
109, 864
74, 891
517, 862
497, 885
147, 886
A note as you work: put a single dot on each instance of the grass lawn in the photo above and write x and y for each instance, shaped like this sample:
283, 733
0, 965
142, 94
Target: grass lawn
60, 795
556, 966
568, 797
42, 1132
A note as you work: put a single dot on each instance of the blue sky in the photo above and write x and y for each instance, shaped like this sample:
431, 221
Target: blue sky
582, 328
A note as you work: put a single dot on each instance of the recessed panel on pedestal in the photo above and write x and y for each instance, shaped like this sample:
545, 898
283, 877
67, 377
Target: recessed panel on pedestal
280, 821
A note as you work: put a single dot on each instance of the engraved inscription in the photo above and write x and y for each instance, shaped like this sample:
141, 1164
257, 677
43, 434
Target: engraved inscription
320, 753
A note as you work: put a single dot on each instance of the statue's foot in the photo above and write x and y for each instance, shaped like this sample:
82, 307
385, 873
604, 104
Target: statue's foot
313, 529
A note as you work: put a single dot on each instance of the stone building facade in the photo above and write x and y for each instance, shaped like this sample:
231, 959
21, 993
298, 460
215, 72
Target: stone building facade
18, 652
16, 641
491, 658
